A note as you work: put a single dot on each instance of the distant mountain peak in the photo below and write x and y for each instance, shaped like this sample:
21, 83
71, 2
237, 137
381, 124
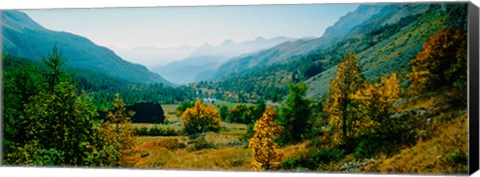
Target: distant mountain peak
260, 38
206, 45
227, 42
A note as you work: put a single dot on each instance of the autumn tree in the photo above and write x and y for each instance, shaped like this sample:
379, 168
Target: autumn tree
265, 151
201, 118
117, 135
295, 114
340, 107
375, 104
442, 61
377, 127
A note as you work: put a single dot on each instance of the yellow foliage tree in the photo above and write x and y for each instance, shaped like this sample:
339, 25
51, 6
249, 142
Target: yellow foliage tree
375, 102
265, 151
340, 106
442, 61
201, 118
116, 131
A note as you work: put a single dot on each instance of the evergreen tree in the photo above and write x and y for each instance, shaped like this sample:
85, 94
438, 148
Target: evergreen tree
58, 119
295, 115
224, 114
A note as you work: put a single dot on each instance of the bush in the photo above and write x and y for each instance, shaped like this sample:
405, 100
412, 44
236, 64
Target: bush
200, 143
312, 161
156, 131
201, 118
170, 144
366, 148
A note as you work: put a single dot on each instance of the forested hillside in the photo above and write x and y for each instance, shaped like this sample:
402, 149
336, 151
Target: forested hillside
262, 77
23, 37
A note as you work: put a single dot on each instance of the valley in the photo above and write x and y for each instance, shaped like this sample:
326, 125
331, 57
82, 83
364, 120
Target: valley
383, 84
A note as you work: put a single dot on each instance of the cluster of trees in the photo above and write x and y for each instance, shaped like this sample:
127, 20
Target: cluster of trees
442, 62
47, 121
103, 88
359, 113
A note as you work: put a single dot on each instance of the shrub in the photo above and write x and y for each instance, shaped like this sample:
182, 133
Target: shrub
156, 131
201, 118
200, 143
313, 160
171, 144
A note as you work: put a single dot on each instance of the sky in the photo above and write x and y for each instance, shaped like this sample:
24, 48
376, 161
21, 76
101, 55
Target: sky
165, 27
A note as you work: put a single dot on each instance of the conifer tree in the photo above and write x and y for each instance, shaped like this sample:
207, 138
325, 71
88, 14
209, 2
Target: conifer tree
295, 114
57, 120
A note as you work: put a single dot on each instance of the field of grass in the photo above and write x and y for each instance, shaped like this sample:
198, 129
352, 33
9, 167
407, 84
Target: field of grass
441, 146
223, 150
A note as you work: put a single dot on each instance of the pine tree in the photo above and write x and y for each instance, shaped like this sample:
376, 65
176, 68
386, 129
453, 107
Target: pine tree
295, 114
57, 119
265, 151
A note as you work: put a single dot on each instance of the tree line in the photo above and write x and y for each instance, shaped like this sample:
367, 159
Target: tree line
48, 121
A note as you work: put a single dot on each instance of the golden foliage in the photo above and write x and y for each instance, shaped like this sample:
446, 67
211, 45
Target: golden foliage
117, 131
339, 106
266, 152
201, 118
442, 61
375, 102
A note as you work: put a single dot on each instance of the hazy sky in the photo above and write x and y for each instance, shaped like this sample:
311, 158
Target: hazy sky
175, 26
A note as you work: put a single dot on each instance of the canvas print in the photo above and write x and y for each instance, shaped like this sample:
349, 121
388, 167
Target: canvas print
350, 88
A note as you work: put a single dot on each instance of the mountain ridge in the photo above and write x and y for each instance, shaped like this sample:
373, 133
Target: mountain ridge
23, 37
208, 57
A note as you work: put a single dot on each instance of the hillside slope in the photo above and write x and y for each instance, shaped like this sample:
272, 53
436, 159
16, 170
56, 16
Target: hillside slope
23, 37
288, 50
384, 43
392, 52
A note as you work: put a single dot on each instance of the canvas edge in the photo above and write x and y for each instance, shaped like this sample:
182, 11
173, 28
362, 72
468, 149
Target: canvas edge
473, 106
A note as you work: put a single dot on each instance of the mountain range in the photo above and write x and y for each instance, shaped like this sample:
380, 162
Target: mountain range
153, 57
206, 58
23, 37
385, 37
